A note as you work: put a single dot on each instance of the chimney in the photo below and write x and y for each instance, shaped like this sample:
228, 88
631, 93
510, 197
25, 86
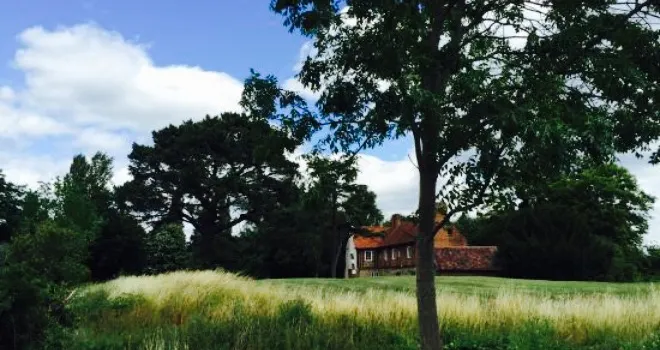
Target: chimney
438, 217
440, 213
396, 220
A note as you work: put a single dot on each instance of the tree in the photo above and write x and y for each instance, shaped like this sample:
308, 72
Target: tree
167, 249
214, 174
83, 200
286, 242
475, 229
652, 264
348, 205
10, 208
82, 196
584, 226
552, 241
119, 248
38, 207
492, 92
609, 196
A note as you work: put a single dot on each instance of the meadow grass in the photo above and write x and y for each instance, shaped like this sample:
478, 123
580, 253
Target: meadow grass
217, 310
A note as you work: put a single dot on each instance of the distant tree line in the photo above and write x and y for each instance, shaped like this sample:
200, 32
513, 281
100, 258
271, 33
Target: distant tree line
585, 226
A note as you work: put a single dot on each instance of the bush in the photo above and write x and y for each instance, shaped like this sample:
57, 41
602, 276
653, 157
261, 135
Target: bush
166, 249
37, 270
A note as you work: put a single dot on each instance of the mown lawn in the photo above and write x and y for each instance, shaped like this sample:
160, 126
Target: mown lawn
217, 310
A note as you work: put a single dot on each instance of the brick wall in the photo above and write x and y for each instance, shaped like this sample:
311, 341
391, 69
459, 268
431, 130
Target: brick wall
466, 258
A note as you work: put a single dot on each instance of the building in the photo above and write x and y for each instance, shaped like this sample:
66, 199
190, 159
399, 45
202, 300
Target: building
390, 250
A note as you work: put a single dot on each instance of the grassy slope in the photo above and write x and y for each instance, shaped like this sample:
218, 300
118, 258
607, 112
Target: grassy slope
214, 310
471, 285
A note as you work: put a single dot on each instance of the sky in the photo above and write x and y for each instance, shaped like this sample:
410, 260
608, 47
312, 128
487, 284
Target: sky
92, 75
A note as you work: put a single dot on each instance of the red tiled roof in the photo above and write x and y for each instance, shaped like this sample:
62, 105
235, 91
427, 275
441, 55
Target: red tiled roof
365, 242
375, 229
466, 258
403, 233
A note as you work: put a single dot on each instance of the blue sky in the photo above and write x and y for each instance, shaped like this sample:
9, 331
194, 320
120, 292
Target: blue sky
82, 76
229, 36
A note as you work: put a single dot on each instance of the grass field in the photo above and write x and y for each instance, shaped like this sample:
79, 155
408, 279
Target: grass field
471, 285
215, 310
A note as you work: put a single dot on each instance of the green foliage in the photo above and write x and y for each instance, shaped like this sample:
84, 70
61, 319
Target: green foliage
10, 208
609, 197
82, 196
475, 231
166, 249
37, 269
308, 234
286, 243
552, 242
83, 201
204, 172
119, 248
585, 226
339, 203
55, 253
652, 263
38, 207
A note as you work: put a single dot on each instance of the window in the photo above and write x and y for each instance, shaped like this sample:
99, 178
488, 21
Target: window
352, 256
385, 255
393, 254
368, 255
352, 266
409, 252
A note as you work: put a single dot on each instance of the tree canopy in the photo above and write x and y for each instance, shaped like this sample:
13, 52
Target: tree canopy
10, 208
213, 174
492, 93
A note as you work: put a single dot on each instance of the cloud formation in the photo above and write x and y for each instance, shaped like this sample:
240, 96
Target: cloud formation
87, 89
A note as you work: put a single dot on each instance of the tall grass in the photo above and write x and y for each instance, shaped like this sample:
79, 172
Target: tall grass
217, 310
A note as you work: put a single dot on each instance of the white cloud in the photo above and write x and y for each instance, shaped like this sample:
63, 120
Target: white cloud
6, 94
32, 169
293, 84
395, 183
85, 74
87, 89
121, 176
94, 140
648, 179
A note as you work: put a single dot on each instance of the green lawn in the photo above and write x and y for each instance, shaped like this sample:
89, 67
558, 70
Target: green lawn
471, 285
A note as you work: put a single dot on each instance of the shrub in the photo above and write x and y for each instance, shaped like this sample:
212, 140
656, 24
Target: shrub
37, 270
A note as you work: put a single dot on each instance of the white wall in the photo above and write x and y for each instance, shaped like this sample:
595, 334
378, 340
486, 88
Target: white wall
351, 257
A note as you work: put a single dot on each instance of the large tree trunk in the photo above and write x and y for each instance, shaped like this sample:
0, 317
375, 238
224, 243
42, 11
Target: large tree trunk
335, 258
335, 232
344, 235
427, 309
